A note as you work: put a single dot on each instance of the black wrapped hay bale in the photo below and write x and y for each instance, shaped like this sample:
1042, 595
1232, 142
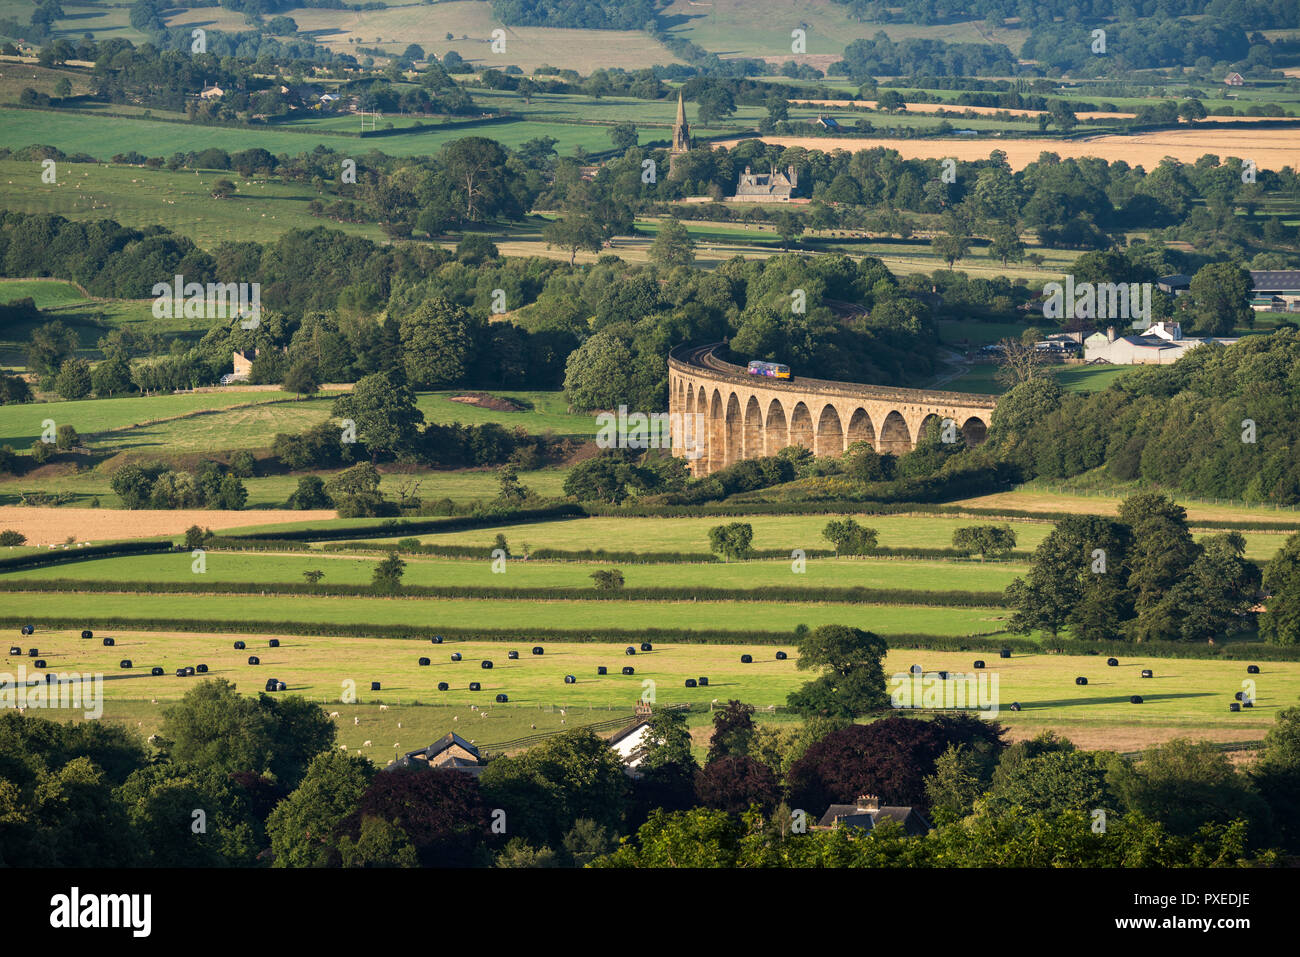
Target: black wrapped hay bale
1234, 707
443, 686
1112, 662
646, 646
570, 680
375, 686
254, 660
1135, 699
602, 670
202, 669
943, 676
40, 663
485, 663
475, 686
1147, 673
423, 662
273, 643
690, 682
1004, 653
781, 656
629, 650
1015, 706
1252, 669
704, 682
1081, 680
455, 656
1238, 696
87, 634
512, 655
916, 670
979, 662
28, 630
124, 663
270, 684
436, 640
1248, 704
537, 649
746, 659
240, 646
155, 671
502, 699
14, 650
180, 672
629, 670
32, 653
189, 672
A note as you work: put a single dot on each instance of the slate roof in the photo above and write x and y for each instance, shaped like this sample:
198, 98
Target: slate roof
851, 815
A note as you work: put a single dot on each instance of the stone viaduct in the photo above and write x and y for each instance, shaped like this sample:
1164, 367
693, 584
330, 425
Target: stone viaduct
720, 414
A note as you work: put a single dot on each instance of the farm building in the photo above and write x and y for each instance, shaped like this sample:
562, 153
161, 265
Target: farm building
449, 753
629, 744
866, 812
1276, 290
1162, 343
766, 187
1234, 79
212, 93
829, 123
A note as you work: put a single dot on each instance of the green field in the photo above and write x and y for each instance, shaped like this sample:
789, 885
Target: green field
543, 412
770, 531
1073, 378
44, 292
461, 486
223, 566
513, 614
1184, 695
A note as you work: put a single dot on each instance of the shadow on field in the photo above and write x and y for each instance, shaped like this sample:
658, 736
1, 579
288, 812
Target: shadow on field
1118, 699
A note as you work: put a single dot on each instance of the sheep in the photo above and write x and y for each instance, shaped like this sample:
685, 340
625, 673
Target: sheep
365, 744
383, 707
343, 747
334, 714
355, 722
532, 727
399, 724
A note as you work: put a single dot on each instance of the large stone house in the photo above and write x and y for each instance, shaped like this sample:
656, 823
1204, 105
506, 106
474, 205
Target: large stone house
772, 187
449, 753
866, 813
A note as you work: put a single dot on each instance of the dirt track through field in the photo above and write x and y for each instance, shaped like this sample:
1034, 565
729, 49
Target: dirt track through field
1270, 149
52, 526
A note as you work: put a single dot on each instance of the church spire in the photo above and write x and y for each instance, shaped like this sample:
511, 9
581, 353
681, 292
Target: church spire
681, 131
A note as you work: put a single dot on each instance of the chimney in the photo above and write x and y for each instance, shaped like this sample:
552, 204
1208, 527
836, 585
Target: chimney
1110, 333
868, 802
793, 176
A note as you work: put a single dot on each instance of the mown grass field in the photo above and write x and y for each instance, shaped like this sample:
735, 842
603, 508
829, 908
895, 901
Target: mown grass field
1073, 378
21, 425
44, 292
770, 531
273, 491
524, 616
246, 418
1184, 697
341, 569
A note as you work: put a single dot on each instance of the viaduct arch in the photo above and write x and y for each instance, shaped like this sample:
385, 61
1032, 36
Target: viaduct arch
721, 415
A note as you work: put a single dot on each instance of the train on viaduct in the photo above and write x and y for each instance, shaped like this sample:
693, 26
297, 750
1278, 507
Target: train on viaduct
721, 415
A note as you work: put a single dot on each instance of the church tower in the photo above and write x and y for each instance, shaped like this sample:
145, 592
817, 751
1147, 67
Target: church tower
681, 131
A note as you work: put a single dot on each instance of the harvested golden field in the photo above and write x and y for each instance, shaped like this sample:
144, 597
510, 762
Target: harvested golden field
981, 110
1270, 149
53, 526
994, 110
